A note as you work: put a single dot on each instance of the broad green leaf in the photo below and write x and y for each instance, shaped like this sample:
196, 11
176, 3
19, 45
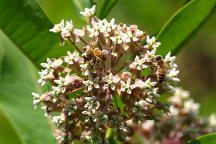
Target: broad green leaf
186, 1
2, 52
104, 7
16, 84
57, 10
205, 139
8, 133
80, 5
183, 24
27, 27
93, 2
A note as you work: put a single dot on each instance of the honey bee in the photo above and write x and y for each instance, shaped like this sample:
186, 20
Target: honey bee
91, 53
88, 53
161, 69
100, 54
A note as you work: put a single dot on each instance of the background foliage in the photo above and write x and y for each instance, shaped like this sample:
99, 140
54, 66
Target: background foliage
25, 41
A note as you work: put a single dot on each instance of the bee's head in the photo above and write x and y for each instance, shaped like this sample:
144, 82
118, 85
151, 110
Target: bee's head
158, 58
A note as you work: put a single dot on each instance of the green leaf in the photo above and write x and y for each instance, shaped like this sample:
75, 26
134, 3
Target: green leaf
2, 52
118, 104
80, 5
205, 139
183, 24
27, 27
7, 131
57, 10
104, 7
26, 125
186, 1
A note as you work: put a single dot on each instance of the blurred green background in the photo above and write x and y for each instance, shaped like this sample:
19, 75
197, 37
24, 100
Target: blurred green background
196, 62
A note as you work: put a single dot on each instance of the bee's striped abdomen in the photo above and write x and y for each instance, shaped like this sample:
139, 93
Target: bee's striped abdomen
161, 72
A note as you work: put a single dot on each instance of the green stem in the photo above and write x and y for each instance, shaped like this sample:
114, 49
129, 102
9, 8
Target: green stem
109, 133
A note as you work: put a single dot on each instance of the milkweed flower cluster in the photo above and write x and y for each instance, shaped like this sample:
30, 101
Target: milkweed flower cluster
98, 86
181, 125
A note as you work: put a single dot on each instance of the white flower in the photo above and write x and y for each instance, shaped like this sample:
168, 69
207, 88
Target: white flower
67, 30
149, 89
72, 79
91, 107
124, 35
142, 104
37, 99
172, 75
121, 38
65, 34
173, 111
170, 87
148, 124
93, 31
89, 11
123, 129
150, 55
133, 34
182, 93
86, 135
58, 119
57, 90
152, 92
88, 99
58, 27
212, 120
47, 65
69, 25
170, 60
190, 105
179, 96
77, 33
144, 84
128, 37
59, 135
72, 57
138, 34
45, 75
84, 69
149, 84
60, 81
108, 27
138, 83
52, 64
117, 39
110, 81
90, 84
126, 86
138, 64
151, 43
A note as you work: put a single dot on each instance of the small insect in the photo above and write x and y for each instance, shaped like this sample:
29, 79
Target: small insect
88, 53
100, 54
91, 54
161, 69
